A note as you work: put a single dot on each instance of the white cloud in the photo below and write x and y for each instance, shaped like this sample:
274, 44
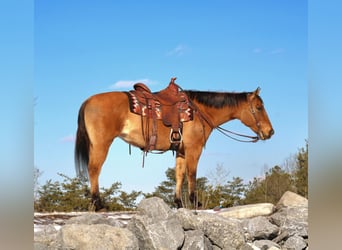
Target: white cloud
271, 52
277, 51
124, 84
177, 51
68, 138
257, 50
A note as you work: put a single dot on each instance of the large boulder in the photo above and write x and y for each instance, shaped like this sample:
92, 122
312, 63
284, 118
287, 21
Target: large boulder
156, 226
260, 228
196, 240
293, 220
93, 218
295, 242
290, 199
248, 211
97, 236
226, 233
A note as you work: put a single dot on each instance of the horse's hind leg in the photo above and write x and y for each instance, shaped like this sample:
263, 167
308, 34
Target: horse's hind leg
97, 156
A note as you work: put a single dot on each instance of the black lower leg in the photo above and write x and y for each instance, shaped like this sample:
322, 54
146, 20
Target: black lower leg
193, 199
96, 202
178, 202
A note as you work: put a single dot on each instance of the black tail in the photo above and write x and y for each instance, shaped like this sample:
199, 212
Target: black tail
82, 147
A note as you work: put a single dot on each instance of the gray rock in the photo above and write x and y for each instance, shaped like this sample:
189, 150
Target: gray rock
225, 233
93, 219
92, 237
156, 226
45, 237
248, 211
260, 228
295, 243
290, 199
294, 220
196, 240
249, 246
87, 219
265, 244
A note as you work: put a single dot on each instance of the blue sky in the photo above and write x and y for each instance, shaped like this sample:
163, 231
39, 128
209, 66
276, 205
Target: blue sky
83, 47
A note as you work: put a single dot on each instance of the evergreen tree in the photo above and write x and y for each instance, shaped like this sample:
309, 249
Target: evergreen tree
49, 197
128, 200
270, 188
110, 199
301, 172
73, 194
235, 191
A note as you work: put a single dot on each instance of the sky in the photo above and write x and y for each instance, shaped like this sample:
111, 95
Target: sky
82, 48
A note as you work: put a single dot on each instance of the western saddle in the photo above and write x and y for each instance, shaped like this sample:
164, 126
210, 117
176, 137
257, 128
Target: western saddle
171, 105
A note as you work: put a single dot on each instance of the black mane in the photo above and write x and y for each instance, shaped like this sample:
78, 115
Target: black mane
217, 99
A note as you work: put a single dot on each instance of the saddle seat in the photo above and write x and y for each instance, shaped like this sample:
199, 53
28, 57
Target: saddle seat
171, 105
168, 96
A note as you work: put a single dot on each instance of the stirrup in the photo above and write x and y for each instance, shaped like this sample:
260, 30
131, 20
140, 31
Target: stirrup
180, 134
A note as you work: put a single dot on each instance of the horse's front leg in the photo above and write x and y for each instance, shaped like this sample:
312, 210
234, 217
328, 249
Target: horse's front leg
192, 159
180, 172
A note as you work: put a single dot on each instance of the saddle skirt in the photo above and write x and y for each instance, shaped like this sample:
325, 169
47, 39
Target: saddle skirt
171, 105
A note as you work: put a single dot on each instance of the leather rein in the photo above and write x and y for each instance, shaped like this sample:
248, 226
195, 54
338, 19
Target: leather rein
227, 132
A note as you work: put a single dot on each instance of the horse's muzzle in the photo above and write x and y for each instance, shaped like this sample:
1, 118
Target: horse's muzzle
265, 136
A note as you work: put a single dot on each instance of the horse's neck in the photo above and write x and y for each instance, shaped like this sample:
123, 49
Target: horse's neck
218, 116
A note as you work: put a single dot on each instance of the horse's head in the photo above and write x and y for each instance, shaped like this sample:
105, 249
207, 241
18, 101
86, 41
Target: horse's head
255, 117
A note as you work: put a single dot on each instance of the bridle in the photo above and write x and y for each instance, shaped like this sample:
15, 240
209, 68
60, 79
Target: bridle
229, 133
253, 138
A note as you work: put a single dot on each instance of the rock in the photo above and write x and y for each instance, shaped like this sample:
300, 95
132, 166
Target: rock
290, 199
98, 236
249, 246
156, 226
225, 233
93, 219
46, 237
294, 220
260, 228
281, 236
266, 244
295, 242
195, 240
248, 211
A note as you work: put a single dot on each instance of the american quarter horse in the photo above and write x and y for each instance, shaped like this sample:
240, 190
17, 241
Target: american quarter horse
106, 116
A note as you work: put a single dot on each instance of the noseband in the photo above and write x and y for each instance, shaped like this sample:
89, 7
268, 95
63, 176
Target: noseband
255, 118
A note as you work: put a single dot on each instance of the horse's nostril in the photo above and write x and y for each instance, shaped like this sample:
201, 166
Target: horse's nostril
272, 132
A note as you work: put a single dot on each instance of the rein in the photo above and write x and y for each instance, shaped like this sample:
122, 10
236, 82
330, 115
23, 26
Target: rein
226, 131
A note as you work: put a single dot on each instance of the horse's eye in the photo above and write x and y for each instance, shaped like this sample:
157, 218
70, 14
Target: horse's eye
259, 108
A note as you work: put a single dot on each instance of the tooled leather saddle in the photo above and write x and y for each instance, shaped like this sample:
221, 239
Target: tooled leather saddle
171, 105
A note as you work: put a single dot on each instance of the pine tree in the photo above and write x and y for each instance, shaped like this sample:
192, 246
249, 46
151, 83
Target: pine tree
301, 171
270, 188
235, 191
128, 200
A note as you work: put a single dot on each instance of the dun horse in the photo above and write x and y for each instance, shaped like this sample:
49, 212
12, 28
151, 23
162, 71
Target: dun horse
106, 116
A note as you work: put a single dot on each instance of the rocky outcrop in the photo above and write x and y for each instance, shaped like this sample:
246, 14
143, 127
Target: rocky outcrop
156, 226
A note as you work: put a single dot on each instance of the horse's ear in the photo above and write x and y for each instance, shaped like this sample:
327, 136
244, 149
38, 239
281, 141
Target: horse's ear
257, 91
